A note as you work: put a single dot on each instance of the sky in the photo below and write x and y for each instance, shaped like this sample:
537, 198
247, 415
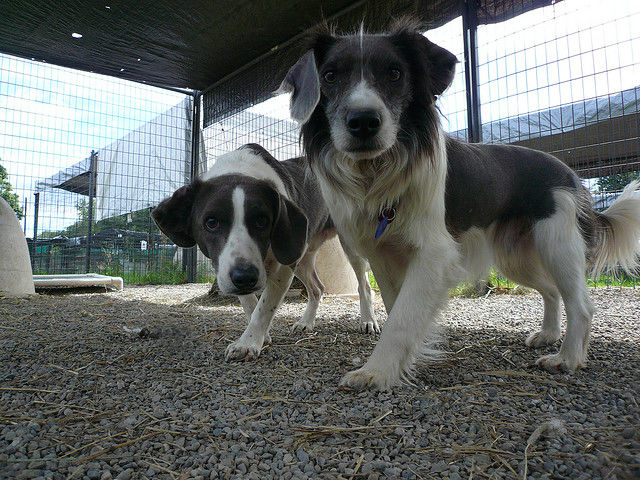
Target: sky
568, 52
52, 117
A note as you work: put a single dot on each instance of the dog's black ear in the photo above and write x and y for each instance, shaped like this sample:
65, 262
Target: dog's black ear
289, 233
437, 64
303, 82
173, 215
443, 66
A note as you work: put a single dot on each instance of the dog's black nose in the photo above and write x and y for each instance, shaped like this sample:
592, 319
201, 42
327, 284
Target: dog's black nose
363, 123
244, 278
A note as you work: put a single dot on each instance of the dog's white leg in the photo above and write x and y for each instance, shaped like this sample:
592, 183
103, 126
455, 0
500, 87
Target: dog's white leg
306, 272
249, 303
422, 295
389, 276
550, 332
368, 322
522, 264
562, 250
250, 343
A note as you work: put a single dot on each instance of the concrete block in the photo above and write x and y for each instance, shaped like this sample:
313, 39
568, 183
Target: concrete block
16, 278
334, 269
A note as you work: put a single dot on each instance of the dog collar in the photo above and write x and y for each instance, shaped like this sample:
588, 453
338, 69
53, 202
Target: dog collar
385, 218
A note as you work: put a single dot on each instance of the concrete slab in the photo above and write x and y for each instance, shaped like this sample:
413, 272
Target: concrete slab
77, 281
334, 269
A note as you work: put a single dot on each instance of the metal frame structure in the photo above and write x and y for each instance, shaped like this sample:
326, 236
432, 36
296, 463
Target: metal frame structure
607, 145
470, 35
190, 257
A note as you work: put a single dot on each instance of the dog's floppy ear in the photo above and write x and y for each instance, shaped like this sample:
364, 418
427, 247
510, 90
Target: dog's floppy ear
303, 82
173, 215
289, 233
443, 65
438, 64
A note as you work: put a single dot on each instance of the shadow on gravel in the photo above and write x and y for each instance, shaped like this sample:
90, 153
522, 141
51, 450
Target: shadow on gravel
85, 393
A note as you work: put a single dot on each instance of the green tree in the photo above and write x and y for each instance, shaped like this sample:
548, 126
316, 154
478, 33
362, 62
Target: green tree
139, 221
6, 192
616, 182
81, 226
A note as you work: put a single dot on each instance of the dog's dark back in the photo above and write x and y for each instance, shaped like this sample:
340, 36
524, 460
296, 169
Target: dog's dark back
520, 180
302, 187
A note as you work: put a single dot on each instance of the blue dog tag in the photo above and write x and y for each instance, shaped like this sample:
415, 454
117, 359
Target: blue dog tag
385, 218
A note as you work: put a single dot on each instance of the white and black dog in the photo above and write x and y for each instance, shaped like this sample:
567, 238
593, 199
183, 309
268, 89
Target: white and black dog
427, 210
259, 221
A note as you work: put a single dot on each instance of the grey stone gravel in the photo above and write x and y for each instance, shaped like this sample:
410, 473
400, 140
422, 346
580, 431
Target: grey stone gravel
81, 398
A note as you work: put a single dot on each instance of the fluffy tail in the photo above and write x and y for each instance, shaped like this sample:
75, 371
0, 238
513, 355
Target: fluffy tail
618, 234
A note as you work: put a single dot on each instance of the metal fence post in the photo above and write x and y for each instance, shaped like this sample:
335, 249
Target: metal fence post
471, 73
92, 191
36, 211
471, 79
190, 257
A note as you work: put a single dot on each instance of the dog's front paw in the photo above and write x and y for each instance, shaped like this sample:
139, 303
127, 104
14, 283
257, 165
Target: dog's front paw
558, 362
242, 350
542, 338
370, 327
303, 326
365, 378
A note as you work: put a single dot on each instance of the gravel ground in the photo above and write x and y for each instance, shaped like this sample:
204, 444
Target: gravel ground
80, 397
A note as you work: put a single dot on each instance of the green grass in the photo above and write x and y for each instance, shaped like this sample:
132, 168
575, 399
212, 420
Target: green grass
620, 280
167, 274
497, 284
372, 282
203, 276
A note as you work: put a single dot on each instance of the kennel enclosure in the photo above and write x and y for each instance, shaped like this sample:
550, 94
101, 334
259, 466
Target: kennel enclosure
106, 108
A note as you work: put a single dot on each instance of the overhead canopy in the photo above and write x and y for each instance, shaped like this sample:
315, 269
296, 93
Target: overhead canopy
197, 43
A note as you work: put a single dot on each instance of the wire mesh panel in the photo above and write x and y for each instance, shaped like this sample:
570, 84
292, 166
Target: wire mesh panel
87, 157
566, 79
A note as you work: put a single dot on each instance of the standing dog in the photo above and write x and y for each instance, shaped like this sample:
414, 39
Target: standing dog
427, 210
259, 221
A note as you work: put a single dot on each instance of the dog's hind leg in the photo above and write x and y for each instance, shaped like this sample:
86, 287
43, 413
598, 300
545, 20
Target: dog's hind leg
389, 273
368, 322
519, 261
559, 243
550, 332
248, 346
306, 272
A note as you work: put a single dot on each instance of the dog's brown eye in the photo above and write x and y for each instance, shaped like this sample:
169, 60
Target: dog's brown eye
261, 222
329, 76
212, 224
395, 74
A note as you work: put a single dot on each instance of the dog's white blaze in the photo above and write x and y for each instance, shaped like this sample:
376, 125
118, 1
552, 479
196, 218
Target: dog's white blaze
245, 162
239, 245
363, 96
